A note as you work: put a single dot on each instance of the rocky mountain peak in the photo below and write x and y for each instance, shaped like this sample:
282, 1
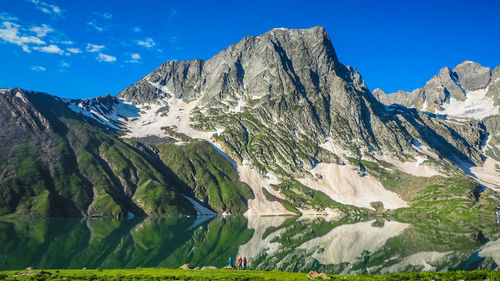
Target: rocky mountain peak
472, 75
278, 61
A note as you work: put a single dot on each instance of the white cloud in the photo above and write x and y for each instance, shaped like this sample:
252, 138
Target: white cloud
52, 49
134, 58
95, 26
10, 33
38, 68
147, 42
74, 50
41, 31
47, 8
67, 42
26, 48
91, 48
7, 17
105, 58
136, 29
64, 64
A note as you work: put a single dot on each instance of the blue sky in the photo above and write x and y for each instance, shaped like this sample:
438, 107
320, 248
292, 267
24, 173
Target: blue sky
77, 50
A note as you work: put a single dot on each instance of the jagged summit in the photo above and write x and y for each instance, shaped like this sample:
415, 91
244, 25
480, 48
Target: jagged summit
293, 58
468, 90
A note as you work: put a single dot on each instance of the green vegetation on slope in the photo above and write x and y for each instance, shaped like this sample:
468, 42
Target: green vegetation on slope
211, 176
68, 165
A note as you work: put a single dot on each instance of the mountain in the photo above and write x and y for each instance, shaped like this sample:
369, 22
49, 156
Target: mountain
468, 92
274, 124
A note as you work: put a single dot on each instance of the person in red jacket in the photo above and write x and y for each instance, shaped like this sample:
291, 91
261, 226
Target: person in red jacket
239, 262
245, 263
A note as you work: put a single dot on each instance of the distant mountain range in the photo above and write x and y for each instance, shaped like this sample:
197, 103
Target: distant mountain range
272, 125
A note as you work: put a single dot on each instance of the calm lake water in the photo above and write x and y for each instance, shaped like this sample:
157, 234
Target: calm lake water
292, 244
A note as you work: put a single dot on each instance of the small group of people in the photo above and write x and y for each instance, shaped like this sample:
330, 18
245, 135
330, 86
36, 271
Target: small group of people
239, 263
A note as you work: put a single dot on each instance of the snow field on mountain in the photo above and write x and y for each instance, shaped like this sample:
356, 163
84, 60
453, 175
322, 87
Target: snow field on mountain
260, 205
476, 105
343, 184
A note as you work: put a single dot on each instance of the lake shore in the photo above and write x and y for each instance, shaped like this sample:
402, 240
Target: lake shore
228, 274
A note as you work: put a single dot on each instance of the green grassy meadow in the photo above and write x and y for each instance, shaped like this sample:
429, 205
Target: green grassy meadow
226, 274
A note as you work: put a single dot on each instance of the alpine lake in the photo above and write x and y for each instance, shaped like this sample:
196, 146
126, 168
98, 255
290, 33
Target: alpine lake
299, 244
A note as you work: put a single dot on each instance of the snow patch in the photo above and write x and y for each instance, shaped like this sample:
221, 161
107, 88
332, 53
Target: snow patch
21, 96
239, 107
344, 185
178, 116
157, 85
488, 174
335, 148
413, 168
476, 105
260, 206
200, 210
78, 108
219, 149
424, 150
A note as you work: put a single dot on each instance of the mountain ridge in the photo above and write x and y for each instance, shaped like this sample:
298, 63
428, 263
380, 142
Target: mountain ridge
291, 123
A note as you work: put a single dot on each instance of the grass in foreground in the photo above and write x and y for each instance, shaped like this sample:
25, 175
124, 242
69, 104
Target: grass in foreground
223, 274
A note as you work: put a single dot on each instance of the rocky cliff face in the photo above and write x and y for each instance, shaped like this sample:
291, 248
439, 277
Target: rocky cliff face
301, 130
468, 92
466, 80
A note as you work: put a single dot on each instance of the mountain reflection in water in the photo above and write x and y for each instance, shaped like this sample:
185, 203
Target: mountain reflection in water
285, 243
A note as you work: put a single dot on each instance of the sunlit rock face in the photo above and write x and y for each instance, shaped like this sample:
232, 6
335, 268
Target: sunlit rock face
273, 125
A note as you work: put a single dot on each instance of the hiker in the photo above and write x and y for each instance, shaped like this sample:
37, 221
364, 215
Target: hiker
245, 263
239, 262
230, 263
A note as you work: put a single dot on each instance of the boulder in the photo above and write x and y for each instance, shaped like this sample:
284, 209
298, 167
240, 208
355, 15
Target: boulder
186, 266
208, 267
314, 275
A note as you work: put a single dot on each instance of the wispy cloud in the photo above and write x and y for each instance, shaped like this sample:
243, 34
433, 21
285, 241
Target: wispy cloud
38, 68
147, 42
95, 26
91, 48
64, 64
11, 33
104, 15
7, 16
51, 49
136, 29
105, 58
41, 31
74, 50
134, 58
47, 8
42, 38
